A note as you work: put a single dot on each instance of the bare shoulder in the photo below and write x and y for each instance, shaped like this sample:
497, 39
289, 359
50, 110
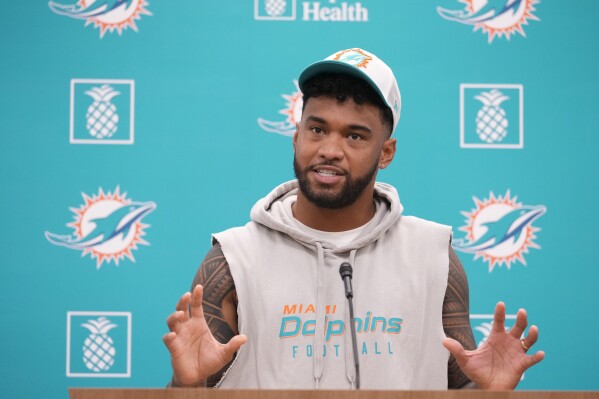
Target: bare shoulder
456, 316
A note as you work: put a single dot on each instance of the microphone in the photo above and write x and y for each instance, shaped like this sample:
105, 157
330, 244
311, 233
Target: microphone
346, 272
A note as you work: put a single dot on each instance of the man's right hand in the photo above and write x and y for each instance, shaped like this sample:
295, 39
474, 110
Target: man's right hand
195, 353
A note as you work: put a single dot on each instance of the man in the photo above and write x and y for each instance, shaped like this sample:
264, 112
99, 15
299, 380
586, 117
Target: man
276, 280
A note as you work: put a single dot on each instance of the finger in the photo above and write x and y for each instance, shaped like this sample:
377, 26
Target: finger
531, 338
534, 359
521, 323
183, 301
234, 344
173, 321
168, 339
196, 302
183, 304
499, 317
455, 348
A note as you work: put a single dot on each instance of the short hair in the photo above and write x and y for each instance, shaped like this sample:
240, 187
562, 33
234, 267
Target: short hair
341, 87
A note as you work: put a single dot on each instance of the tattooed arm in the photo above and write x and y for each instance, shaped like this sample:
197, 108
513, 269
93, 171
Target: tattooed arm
456, 318
202, 340
500, 362
219, 300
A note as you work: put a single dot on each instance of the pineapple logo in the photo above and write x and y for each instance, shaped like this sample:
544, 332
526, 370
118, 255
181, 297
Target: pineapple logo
492, 116
292, 111
275, 8
98, 348
102, 111
101, 116
280, 10
496, 18
106, 15
98, 344
499, 230
491, 123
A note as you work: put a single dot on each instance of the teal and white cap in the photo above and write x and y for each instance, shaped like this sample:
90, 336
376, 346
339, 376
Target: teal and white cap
363, 65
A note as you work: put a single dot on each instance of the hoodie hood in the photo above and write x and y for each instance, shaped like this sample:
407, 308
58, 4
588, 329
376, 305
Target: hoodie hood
270, 212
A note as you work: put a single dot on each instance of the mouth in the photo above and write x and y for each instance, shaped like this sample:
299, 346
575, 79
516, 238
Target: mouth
327, 174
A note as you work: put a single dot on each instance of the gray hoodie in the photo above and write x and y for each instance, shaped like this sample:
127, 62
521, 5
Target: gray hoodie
293, 309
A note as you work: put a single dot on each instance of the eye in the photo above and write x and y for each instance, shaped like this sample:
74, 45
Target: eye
354, 136
317, 130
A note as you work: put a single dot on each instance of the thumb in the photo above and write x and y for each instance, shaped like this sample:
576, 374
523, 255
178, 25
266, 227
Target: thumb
454, 347
234, 344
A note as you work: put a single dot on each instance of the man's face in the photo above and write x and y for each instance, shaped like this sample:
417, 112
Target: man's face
338, 149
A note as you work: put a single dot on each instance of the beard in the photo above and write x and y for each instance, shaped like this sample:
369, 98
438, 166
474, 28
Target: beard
328, 198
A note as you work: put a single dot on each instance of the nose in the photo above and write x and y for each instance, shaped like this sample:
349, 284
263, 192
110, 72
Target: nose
331, 148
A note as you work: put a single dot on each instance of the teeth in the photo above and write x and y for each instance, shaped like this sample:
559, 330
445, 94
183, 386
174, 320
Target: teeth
326, 173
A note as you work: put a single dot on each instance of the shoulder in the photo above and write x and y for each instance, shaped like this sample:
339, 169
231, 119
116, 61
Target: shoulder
246, 232
423, 231
214, 269
416, 222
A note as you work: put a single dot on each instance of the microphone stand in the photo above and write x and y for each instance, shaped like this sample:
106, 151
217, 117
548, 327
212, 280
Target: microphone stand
346, 272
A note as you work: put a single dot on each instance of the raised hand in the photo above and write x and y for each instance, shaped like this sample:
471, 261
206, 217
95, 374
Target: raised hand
195, 353
500, 362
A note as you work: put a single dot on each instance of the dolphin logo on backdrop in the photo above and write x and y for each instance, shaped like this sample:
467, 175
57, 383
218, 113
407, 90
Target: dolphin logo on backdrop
107, 15
292, 111
107, 227
500, 230
494, 17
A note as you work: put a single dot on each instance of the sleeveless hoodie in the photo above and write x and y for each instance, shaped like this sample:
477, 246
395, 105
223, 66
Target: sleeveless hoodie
293, 309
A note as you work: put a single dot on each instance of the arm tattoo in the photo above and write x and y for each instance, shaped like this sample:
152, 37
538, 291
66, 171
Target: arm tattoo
215, 276
456, 317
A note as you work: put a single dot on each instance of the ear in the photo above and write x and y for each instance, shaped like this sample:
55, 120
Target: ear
387, 153
297, 125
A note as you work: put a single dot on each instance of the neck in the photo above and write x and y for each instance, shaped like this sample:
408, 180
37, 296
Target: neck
333, 220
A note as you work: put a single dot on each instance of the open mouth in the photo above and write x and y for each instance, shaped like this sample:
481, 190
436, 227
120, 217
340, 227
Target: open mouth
326, 173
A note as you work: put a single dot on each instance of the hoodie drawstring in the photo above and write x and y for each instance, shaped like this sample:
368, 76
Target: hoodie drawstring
320, 317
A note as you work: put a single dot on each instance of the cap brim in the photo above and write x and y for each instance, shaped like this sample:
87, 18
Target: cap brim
330, 66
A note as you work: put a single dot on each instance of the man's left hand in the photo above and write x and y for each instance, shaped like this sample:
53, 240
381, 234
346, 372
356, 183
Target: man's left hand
500, 362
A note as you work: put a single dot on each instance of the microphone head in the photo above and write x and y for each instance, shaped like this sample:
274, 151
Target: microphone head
345, 270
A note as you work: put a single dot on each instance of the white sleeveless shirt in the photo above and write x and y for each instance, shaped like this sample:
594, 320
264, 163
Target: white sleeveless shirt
294, 312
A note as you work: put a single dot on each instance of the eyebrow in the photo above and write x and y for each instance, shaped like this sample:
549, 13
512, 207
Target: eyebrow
352, 127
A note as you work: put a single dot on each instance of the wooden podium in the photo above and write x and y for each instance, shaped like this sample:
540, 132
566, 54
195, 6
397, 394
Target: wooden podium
208, 393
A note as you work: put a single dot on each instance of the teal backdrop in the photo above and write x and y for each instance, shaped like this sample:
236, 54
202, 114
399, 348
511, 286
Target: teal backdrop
171, 129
